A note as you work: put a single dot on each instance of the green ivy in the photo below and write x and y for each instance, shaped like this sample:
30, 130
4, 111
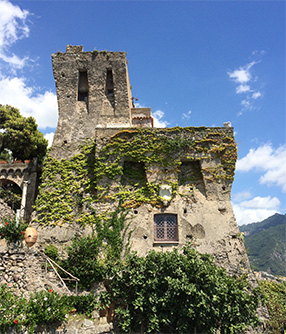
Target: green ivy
70, 187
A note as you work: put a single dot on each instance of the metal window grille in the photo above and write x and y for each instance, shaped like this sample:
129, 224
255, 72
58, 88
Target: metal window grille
166, 227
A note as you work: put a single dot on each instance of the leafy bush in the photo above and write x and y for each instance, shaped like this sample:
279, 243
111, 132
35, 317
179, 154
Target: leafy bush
11, 231
84, 304
52, 252
177, 293
46, 307
89, 255
12, 310
40, 308
275, 299
83, 261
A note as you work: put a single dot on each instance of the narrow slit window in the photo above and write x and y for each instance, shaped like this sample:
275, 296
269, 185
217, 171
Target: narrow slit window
165, 227
109, 87
109, 83
82, 86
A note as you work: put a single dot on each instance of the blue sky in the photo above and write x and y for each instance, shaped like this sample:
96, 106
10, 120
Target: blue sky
195, 63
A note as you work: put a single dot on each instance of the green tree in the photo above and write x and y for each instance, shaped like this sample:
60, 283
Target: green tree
20, 135
176, 293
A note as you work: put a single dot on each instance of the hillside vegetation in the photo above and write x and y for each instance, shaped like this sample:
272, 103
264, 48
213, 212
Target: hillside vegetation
265, 243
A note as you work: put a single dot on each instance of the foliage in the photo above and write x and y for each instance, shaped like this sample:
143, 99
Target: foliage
176, 293
77, 184
11, 196
83, 261
12, 310
84, 304
44, 307
39, 308
52, 252
88, 255
20, 135
11, 230
275, 299
265, 242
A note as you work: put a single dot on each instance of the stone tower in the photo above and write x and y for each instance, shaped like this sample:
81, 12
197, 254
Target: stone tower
174, 182
93, 91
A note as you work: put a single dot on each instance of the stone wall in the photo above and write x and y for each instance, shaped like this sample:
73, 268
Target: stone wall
73, 325
93, 90
23, 268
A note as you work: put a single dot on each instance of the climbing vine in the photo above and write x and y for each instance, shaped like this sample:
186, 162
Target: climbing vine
124, 168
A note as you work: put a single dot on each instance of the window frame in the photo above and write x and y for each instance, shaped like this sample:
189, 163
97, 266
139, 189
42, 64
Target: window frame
165, 228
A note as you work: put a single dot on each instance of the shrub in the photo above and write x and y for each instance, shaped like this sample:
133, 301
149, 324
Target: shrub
83, 261
84, 304
176, 293
52, 252
12, 309
40, 308
275, 299
11, 230
46, 307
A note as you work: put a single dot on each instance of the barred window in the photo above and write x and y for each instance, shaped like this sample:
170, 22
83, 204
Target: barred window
166, 227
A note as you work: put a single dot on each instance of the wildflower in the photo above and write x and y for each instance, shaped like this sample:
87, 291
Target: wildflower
15, 321
50, 290
35, 300
46, 298
6, 223
22, 232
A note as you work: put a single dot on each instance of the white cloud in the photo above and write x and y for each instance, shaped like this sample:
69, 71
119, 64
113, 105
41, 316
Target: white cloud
138, 105
43, 107
50, 138
261, 203
241, 196
256, 95
270, 161
246, 104
242, 89
251, 215
187, 115
258, 52
255, 209
158, 122
242, 75
12, 28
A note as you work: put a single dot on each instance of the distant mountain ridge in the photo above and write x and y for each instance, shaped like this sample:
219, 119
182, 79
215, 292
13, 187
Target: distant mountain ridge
265, 242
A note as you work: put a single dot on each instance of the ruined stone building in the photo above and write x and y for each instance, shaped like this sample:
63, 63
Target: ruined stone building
175, 182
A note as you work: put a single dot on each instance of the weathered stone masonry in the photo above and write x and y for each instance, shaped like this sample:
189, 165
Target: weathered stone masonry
95, 101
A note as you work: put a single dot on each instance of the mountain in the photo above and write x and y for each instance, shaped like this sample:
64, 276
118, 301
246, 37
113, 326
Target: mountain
265, 242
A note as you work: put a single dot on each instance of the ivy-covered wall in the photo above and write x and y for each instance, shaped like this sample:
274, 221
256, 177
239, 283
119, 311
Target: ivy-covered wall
124, 169
129, 167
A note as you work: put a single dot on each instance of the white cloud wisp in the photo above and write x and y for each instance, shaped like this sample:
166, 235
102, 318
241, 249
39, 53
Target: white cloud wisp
255, 210
12, 28
43, 107
158, 122
243, 77
268, 160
